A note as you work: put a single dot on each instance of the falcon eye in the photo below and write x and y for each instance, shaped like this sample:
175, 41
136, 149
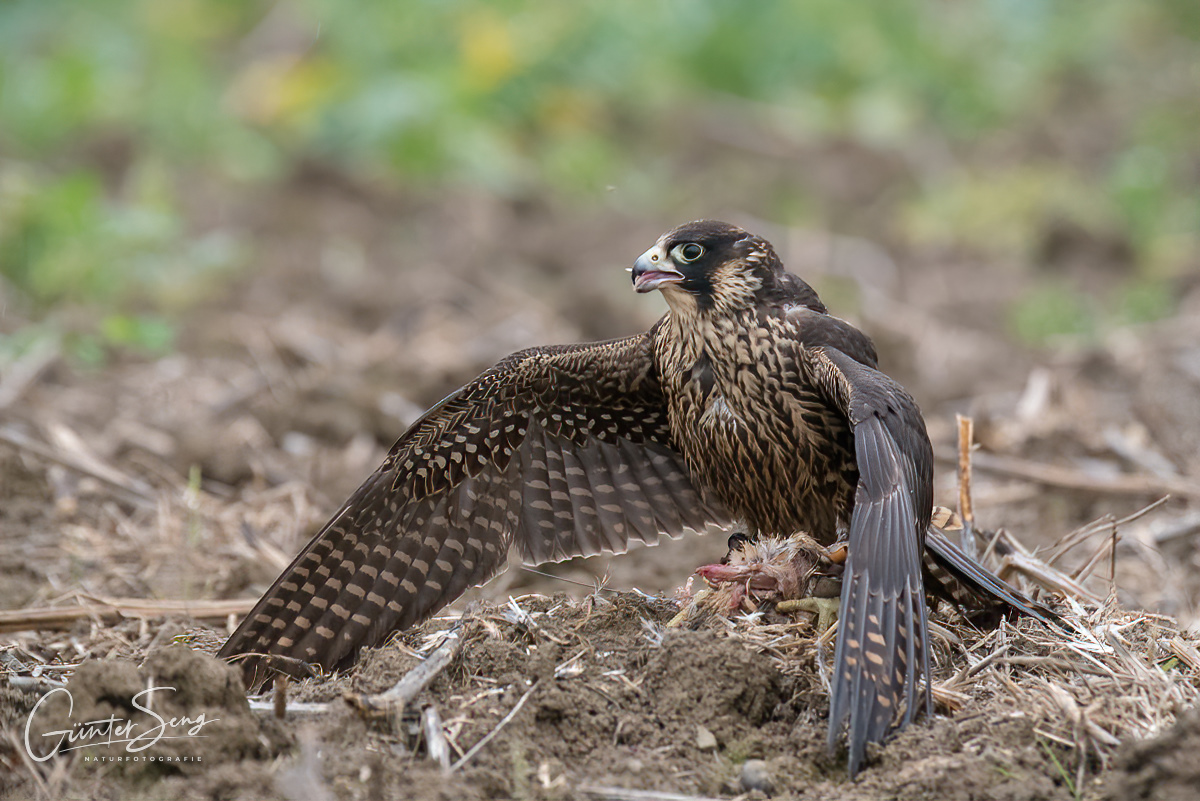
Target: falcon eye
690, 252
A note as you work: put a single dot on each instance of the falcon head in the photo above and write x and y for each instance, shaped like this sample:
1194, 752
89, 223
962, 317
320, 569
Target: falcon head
707, 265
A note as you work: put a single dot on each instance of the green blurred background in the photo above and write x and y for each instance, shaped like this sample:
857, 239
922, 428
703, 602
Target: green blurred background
1053, 139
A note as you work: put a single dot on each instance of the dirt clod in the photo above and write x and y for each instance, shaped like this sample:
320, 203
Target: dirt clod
1164, 768
756, 776
182, 712
609, 698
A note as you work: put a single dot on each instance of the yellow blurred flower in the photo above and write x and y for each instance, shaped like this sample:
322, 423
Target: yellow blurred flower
486, 46
282, 88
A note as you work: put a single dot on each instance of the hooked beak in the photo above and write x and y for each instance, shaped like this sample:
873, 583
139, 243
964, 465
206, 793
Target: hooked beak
652, 270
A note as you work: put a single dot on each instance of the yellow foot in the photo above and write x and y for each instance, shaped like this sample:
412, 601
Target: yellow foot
689, 609
826, 610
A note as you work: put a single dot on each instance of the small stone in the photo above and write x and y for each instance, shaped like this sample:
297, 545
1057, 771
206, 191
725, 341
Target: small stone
705, 739
756, 776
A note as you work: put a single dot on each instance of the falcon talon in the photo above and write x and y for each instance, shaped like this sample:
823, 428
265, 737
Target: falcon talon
747, 402
825, 609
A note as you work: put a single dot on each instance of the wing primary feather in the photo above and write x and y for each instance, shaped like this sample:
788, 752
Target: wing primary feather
521, 455
882, 656
982, 583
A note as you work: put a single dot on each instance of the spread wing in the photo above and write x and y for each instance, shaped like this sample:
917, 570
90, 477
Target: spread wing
882, 649
560, 452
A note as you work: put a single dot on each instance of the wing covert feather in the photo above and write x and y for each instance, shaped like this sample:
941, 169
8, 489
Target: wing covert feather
558, 452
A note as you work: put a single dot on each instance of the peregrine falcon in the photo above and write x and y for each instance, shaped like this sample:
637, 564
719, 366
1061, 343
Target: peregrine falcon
746, 403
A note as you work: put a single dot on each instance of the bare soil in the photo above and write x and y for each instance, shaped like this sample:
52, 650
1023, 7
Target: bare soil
197, 475
609, 699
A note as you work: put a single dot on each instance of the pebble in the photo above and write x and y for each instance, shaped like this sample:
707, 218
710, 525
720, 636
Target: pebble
705, 739
756, 776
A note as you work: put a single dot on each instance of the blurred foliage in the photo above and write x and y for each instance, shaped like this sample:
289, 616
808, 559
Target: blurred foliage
1053, 311
1005, 211
64, 240
1008, 112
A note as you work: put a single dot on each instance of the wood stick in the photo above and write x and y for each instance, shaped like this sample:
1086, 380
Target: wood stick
1107, 548
114, 610
294, 708
435, 737
948, 699
279, 696
1097, 526
1068, 479
136, 492
604, 793
1186, 652
1184, 528
1043, 574
19, 376
415, 680
966, 437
